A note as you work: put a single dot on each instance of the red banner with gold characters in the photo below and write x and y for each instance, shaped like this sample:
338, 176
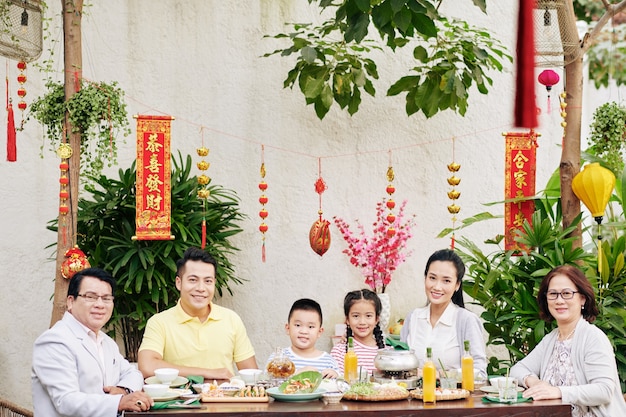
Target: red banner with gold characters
520, 168
153, 217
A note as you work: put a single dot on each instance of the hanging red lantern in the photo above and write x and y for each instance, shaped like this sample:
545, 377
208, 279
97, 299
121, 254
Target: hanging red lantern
548, 78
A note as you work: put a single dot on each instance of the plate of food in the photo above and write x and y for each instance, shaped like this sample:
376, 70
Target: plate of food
444, 394
303, 383
275, 393
368, 391
178, 382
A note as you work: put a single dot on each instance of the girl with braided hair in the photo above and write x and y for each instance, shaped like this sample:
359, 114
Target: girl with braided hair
362, 309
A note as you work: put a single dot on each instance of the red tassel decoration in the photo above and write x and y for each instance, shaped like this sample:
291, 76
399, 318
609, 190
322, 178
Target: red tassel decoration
203, 234
525, 104
11, 136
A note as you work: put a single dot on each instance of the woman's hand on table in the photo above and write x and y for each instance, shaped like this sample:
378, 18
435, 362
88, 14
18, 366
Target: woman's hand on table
541, 390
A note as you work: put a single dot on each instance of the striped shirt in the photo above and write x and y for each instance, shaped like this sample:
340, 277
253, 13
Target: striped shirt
364, 353
321, 362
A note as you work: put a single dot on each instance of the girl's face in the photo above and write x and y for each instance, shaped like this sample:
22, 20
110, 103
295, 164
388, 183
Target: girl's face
362, 320
440, 283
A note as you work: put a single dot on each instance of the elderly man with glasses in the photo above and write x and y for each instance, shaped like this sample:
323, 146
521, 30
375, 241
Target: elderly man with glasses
77, 369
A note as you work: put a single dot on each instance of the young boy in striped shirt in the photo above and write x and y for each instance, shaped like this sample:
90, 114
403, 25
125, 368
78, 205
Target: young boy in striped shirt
304, 327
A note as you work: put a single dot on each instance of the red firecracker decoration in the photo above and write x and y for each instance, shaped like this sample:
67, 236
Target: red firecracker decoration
203, 188
548, 78
319, 235
21, 92
263, 201
391, 218
75, 261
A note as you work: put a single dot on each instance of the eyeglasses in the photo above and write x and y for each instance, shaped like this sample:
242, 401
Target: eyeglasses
565, 294
92, 297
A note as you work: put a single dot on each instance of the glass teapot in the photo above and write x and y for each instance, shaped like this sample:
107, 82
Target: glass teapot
280, 367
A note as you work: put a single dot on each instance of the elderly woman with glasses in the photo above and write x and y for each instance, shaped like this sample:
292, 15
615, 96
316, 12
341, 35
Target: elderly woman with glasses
574, 362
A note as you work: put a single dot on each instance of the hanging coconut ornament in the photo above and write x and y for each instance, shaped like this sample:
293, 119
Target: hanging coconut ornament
75, 261
319, 235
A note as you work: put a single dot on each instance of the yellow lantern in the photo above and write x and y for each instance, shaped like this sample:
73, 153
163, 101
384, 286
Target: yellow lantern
594, 186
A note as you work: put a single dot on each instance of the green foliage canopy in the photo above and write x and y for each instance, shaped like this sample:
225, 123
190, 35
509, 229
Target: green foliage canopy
333, 64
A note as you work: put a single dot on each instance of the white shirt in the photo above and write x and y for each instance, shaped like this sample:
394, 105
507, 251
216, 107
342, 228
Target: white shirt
441, 338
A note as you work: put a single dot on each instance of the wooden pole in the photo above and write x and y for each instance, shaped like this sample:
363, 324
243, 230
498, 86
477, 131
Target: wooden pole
73, 62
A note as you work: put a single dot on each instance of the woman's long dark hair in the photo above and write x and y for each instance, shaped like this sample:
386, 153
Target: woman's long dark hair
368, 295
447, 255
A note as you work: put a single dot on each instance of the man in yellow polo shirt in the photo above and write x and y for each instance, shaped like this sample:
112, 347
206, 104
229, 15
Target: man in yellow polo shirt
196, 336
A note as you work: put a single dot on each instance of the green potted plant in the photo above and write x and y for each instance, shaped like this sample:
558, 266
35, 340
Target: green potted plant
145, 270
97, 111
607, 136
506, 286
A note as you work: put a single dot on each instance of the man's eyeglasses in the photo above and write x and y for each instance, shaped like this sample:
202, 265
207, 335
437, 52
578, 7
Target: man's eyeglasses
92, 297
565, 294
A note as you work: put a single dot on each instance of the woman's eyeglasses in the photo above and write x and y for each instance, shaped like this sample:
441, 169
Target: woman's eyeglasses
565, 294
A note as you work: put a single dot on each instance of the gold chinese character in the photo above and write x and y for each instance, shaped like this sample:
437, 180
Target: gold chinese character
520, 178
153, 182
153, 145
520, 159
154, 165
153, 202
519, 219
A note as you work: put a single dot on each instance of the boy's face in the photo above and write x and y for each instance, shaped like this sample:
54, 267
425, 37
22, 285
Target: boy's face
304, 328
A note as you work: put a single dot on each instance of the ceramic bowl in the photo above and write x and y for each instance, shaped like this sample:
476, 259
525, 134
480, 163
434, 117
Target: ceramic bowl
250, 376
166, 375
332, 397
156, 390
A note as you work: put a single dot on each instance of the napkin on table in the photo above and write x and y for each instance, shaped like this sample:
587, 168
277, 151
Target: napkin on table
160, 405
520, 399
396, 344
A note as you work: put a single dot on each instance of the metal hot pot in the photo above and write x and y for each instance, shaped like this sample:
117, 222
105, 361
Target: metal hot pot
391, 360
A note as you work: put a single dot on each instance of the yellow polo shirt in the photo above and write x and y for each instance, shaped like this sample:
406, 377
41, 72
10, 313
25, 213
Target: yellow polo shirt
182, 340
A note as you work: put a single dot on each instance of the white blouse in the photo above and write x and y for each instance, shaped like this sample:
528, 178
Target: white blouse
441, 338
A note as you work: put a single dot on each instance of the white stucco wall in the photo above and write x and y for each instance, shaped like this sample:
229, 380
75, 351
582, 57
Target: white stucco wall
199, 60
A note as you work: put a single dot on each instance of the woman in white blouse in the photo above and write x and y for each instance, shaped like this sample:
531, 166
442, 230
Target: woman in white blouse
444, 323
574, 362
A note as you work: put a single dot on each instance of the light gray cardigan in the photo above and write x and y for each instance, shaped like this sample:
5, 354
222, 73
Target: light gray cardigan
594, 365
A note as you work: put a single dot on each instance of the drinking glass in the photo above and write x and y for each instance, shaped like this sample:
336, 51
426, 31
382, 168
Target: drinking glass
507, 389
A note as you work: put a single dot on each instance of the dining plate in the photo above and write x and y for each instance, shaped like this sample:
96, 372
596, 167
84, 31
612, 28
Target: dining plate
170, 395
490, 389
179, 381
279, 396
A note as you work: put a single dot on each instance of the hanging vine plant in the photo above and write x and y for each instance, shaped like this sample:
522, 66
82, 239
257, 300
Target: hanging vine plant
607, 138
97, 111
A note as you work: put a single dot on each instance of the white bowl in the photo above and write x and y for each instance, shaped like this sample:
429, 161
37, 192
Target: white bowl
250, 376
332, 397
156, 390
166, 375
